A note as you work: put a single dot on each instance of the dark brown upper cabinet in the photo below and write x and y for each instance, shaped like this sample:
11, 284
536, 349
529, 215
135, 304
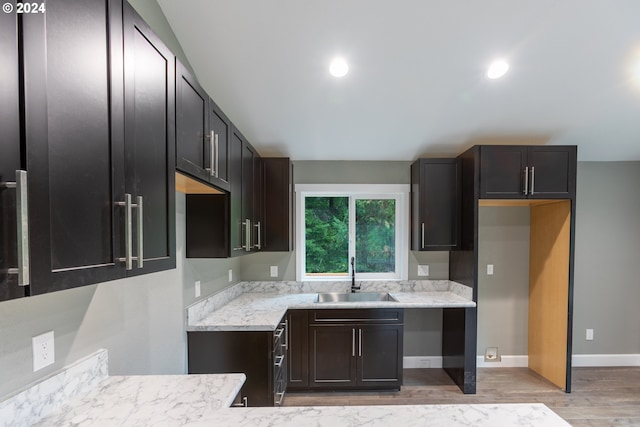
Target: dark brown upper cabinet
521, 172
277, 204
74, 140
149, 148
435, 204
203, 133
97, 147
12, 284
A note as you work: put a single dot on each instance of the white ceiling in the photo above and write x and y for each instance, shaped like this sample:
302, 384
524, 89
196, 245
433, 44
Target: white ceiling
416, 85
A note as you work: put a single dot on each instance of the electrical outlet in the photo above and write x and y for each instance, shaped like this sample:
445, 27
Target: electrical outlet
423, 270
491, 355
589, 336
198, 290
274, 271
230, 275
43, 350
489, 269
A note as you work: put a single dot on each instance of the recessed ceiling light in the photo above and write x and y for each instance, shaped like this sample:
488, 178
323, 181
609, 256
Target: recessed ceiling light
338, 67
497, 69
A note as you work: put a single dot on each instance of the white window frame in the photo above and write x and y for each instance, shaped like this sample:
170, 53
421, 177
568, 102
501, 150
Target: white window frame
399, 192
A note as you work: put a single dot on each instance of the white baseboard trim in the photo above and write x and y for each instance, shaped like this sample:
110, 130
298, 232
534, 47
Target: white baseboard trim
522, 361
604, 360
413, 362
506, 361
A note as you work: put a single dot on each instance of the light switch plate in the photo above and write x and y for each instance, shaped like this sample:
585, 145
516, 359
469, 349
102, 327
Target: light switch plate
589, 336
198, 290
489, 269
44, 353
423, 270
274, 271
230, 275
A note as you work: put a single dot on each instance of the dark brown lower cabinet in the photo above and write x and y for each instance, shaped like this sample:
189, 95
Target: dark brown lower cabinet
298, 350
355, 349
260, 355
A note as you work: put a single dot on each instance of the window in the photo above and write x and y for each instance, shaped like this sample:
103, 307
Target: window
338, 222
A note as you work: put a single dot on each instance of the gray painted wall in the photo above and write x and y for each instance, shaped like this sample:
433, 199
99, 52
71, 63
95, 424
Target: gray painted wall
607, 258
503, 298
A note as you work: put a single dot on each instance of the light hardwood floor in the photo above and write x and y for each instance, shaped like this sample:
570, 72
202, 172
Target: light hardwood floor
600, 396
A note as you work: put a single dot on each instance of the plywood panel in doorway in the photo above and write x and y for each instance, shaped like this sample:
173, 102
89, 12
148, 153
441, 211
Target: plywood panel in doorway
549, 290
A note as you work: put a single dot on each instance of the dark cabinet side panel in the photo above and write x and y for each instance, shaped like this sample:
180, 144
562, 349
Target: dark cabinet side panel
233, 352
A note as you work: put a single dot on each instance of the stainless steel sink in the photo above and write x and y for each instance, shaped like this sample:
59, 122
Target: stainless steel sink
354, 297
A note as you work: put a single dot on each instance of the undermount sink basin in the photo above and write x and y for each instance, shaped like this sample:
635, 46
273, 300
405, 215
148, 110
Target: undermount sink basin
354, 297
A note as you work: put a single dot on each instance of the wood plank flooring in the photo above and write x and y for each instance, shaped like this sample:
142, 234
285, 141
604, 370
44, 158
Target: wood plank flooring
600, 396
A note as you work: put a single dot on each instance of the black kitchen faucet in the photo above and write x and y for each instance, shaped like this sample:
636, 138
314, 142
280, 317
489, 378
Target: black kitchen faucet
354, 288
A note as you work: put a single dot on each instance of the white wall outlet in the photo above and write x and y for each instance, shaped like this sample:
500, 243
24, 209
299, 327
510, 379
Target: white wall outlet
198, 289
423, 270
44, 353
489, 269
274, 271
491, 354
589, 336
230, 275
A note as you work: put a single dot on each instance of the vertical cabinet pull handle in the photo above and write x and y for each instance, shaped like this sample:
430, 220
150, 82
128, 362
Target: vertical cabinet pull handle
140, 256
360, 342
22, 226
247, 235
526, 180
353, 342
128, 231
422, 232
533, 180
216, 156
128, 252
212, 153
259, 239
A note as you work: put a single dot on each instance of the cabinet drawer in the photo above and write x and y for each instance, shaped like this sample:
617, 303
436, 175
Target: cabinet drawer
382, 315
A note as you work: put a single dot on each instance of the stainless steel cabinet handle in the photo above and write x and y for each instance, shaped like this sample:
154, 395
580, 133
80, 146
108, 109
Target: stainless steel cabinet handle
526, 180
217, 157
22, 222
259, 244
247, 235
422, 231
278, 333
279, 361
287, 335
128, 232
533, 179
353, 342
279, 402
140, 256
212, 160
360, 342
128, 251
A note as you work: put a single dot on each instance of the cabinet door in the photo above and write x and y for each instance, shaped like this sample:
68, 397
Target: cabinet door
298, 349
248, 193
258, 202
436, 223
380, 355
150, 144
278, 204
74, 142
193, 143
221, 128
332, 356
502, 172
10, 158
552, 172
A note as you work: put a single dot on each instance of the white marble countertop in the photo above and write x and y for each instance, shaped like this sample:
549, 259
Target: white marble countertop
489, 415
262, 311
149, 400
